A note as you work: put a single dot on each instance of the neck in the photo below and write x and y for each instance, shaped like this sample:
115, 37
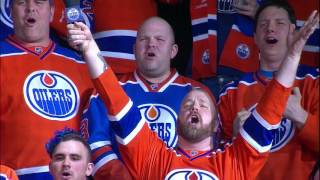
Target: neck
156, 79
204, 145
270, 64
43, 43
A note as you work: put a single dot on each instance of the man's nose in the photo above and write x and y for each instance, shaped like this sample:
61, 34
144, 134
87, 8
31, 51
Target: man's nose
66, 162
270, 27
151, 42
30, 6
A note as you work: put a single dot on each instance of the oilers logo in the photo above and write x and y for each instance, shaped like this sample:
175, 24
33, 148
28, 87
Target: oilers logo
74, 14
190, 174
242, 51
161, 119
282, 135
5, 13
51, 95
205, 59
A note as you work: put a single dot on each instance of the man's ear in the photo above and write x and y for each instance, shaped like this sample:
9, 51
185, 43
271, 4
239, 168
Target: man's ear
51, 12
89, 169
134, 48
174, 51
50, 167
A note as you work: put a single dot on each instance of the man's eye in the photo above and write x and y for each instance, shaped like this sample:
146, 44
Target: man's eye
58, 158
76, 157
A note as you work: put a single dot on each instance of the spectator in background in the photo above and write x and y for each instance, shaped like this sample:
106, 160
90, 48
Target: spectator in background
156, 88
147, 157
295, 146
70, 156
44, 87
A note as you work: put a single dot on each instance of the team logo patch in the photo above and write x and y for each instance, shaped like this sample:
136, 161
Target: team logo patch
190, 174
205, 59
51, 95
242, 51
5, 14
161, 119
73, 14
282, 135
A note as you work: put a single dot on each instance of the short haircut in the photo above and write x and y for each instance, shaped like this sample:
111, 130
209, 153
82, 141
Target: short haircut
275, 3
63, 135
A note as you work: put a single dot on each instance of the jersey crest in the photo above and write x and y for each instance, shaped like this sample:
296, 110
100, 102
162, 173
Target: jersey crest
242, 51
161, 119
51, 95
5, 13
206, 57
281, 135
190, 174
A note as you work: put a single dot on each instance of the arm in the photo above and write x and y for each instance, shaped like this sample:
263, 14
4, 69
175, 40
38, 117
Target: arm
95, 127
267, 115
136, 141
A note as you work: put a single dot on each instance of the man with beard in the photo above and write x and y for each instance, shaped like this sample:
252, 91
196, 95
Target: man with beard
154, 87
147, 157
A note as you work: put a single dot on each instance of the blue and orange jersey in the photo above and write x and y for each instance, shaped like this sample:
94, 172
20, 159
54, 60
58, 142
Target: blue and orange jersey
43, 89
299, 145
147, 157
6, 173
159, 105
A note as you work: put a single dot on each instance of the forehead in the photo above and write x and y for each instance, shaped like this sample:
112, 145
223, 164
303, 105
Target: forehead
273, 12
70, 147
154, 26
199, 95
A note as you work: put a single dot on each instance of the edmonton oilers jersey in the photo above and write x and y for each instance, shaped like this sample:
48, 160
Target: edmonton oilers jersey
246, 92
43, 89
6, 24
147, 157
159, 105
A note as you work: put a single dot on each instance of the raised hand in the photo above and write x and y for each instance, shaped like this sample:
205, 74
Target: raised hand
80, 38
238, 122
297, 39
246, 7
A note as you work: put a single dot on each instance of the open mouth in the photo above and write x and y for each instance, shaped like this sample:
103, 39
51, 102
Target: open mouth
30, 21
194, 119
271, 40
151, 54
66, 175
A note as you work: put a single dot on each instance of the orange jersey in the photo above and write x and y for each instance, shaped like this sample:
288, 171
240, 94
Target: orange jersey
43, 89
147, 157
294, 151
7, 173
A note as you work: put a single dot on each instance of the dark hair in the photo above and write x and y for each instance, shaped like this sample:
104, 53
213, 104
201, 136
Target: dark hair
276, 3
63, 135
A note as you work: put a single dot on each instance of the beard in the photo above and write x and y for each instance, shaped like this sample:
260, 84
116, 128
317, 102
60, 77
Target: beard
194, 134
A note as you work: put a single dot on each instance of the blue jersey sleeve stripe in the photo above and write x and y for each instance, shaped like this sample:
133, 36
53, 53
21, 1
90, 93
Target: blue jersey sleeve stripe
99, 144
122, 113
257, 132
104, 160
127, 139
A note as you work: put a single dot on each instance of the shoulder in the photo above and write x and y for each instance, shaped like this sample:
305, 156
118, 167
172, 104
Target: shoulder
68, 54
